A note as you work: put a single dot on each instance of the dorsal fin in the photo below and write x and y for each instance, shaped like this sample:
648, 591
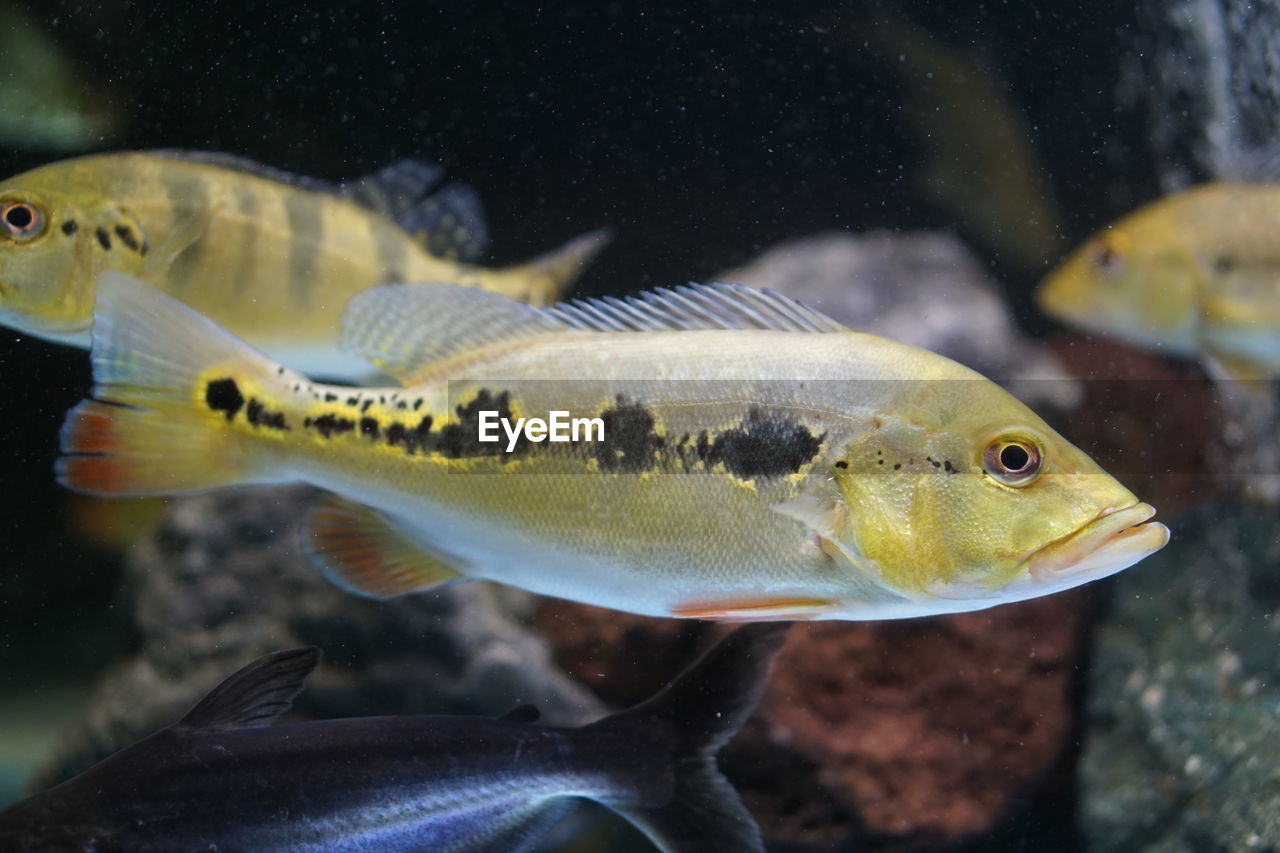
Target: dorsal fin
521, 714
257, 694
448, 223
404, 328
244, 165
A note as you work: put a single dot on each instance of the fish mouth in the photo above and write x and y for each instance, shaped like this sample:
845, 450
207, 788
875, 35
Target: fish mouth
1115, 540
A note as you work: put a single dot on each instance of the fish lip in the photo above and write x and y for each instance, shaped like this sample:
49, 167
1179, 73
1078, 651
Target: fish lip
1116, 539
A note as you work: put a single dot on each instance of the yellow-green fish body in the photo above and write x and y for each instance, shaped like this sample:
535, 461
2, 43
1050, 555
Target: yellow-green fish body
271, 257
758, 461
1194, 274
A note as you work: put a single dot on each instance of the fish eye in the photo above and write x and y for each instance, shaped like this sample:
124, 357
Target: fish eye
1106, 258
1013, 460
21, 221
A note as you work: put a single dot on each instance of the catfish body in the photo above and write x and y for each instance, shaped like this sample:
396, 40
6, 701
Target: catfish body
222, 779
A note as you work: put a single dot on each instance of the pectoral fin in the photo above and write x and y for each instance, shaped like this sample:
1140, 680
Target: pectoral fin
190, 227
360, 551
823, 512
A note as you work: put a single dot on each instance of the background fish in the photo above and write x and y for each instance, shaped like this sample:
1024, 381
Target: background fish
223, 778
271, 256
760, 461
46, 101
1194, 274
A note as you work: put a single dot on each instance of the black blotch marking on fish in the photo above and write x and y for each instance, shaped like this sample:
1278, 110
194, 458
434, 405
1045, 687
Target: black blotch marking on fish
463, 439
412, 440
260, 415
331, 398
364, 407
897, 466
765, 445
842, 464
126, 235
417, 404
69, 227
630, 443
351, 401
934, 462
948, 467
330, 425
1224, 264
104, 239
402, 405
223, 395
369, 427
703, 445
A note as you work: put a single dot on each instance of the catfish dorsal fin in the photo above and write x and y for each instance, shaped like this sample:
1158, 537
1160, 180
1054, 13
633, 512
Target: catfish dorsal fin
521, 714
257, 694
404, 328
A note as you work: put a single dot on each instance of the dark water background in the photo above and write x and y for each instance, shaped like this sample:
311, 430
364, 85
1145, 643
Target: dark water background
701, 135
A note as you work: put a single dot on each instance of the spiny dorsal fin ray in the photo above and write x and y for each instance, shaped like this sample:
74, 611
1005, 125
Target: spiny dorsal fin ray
448, 223
404, 328
255, 695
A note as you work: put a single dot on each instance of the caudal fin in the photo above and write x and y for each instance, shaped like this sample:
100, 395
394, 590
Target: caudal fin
703, 708
168, 383
546, 279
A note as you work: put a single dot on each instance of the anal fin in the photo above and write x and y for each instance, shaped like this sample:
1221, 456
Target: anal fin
756, 610
361, 551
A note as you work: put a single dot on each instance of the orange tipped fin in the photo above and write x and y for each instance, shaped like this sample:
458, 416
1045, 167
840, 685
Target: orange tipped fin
360, 551
113, 450
152, 428
757, 610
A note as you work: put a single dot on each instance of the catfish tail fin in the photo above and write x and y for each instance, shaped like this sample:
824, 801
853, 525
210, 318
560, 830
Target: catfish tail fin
704, 707
168, 383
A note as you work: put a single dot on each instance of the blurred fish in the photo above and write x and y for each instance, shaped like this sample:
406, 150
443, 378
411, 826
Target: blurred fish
980, 157
1194, 274
45, 101
223, 778
114, 525
757, 460
274, 257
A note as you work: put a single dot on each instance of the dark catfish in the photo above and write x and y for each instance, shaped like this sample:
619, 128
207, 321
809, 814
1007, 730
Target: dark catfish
224, 778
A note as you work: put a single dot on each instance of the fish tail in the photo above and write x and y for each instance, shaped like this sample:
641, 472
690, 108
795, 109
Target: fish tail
167, 383
703, 708
547, 278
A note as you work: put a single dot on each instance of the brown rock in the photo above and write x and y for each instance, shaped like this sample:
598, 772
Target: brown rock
913, 729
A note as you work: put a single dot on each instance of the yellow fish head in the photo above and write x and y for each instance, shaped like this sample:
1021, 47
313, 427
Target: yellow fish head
50, 253
981, 509
1137, 281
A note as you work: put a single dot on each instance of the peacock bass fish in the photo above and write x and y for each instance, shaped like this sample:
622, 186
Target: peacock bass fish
293, 250
1195, 274
757, 461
